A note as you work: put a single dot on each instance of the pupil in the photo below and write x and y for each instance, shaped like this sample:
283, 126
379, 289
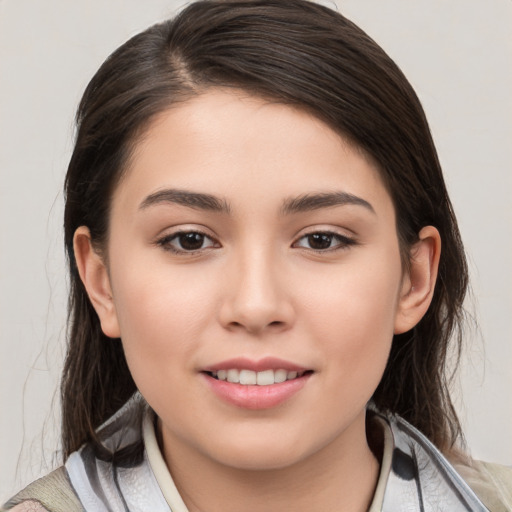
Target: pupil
320, 241
191, 241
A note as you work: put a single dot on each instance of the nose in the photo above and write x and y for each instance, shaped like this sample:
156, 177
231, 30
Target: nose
256, 297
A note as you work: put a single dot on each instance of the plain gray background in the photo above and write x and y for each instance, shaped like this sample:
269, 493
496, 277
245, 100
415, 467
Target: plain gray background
456, 54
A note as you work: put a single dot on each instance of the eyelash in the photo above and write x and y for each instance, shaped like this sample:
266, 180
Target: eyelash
166, 242
343, 241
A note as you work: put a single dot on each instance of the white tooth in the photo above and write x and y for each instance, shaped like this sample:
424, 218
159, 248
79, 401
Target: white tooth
291, 375
222, 374
214, 374
280, 376
265, 378
233, 375
247, 377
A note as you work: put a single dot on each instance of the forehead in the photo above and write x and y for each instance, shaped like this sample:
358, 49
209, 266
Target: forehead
229, 143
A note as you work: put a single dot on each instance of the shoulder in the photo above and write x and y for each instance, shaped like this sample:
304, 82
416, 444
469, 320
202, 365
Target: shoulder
52, 493
492, 483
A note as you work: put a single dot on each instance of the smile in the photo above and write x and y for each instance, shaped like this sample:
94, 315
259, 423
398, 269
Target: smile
256, 385
253, 378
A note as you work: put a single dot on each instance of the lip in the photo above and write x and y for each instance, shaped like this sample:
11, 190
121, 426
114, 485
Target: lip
267, 363
254, 397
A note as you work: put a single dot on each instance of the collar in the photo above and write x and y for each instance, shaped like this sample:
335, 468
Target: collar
131, 474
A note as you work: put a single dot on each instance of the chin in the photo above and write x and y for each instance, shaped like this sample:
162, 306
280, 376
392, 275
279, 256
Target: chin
266, 453
271, 460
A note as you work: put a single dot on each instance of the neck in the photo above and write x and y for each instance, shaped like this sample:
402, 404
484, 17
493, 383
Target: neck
340, 476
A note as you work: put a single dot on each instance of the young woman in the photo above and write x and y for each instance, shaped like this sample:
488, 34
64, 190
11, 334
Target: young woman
266, 279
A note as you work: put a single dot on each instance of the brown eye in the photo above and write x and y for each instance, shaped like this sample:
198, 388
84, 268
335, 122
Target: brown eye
191, 241
186, 242
324, 241
320, 241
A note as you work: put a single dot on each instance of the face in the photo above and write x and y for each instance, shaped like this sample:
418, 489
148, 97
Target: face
249, 242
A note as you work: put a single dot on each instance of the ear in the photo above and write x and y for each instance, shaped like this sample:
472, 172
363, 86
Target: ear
420, 280
94, 275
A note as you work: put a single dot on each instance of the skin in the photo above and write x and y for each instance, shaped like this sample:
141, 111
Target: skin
257, 288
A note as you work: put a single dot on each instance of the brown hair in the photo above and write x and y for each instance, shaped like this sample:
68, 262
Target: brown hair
297, 53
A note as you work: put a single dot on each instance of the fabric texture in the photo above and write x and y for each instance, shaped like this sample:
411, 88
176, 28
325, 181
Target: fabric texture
30, 506
491, 482
53, 492
130, 474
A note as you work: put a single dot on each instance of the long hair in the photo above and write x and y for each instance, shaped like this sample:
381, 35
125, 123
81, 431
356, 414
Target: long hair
296, 53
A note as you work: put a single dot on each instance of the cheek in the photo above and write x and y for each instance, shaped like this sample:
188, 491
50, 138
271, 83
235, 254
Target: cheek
359, 296
161, 314
352, 314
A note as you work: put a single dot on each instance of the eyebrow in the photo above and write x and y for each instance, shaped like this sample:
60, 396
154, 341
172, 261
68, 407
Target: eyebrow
194, 200
310, 202
208, 202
